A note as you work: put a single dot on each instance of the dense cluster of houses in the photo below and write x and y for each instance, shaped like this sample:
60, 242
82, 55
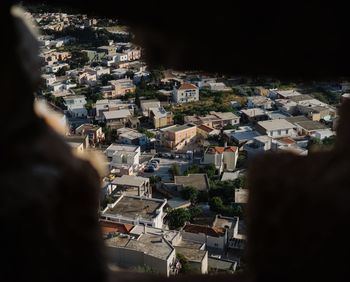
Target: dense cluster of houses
134, 135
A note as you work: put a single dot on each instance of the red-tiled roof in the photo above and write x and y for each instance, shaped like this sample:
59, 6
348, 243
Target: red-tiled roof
210, 231
109, 227
221, 150
186, 86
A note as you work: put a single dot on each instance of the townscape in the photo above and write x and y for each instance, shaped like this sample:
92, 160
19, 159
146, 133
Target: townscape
177, 144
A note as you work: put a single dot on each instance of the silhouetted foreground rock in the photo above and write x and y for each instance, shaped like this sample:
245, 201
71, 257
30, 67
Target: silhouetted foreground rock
48, 197
299, 213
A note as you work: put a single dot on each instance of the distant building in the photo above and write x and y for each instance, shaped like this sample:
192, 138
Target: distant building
177, 136
213, 237
218, 87
111, 105
253, 115
132, 137
94, 132
309, 127
117, 118
261, 91
186, 93
132, 186
286, 106
241, 196
146, 105
216, 120
206, 131
284, 94
150, 249
160, 117
259, 144
224, 158
261, 102
124, 157
78, 143
76, 105
241, 135
199, 181
133, 54
276, 128
136, 210
222, 266
118, 88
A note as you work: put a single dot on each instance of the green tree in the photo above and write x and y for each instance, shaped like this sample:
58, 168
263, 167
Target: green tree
154, 179
190, 193
62, 71
211, 170
185, 266
130, 74
314, 143
216, 204
146, 132
178, 217
175, 170
179, 118
105, 78
195, 211
218, 100
110, 135
137, 99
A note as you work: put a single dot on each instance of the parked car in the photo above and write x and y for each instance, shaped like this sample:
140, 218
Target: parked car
156, 160
154, 164
149, 169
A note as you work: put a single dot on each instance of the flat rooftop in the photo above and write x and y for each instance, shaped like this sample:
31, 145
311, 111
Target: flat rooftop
134, 207
194, 255
253, 112
198, 181
130, 180
177, 127
119, 147
220, 264
311, 125
276, 124
189, 244
242, 135
152, 245
117, 114
297, 119
222, 222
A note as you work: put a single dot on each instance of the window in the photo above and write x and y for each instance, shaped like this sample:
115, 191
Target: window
124, 159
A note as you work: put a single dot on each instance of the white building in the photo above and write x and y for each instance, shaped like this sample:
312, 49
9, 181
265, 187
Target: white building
111, 105
276, 128
186, 93
145, 249
136, 210
131, 185
261, 102
224, 158
146, 105
76, 105
258, 145
123, 155
120, 57
214, 237
219, 86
